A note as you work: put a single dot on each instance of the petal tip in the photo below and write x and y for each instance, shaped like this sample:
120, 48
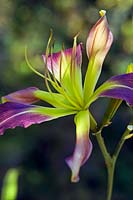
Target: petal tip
74, 177
102, 13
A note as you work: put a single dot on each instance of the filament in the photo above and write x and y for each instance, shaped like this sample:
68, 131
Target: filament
31, 67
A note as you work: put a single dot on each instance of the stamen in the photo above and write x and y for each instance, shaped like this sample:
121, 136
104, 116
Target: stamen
61, 59
74, 54
54, 82
60, 71
46, 71
31, 67
53, 74
59, 88
73, 71
49, 52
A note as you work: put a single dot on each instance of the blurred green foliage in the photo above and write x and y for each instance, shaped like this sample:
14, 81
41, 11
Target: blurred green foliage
40, 150
10, 185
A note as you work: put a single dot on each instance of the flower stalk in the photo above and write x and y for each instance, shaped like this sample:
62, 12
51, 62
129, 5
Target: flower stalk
110, 160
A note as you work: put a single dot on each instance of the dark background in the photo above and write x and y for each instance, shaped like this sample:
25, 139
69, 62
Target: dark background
40, 150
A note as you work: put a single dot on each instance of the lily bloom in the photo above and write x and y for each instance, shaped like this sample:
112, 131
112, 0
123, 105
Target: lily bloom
63, 73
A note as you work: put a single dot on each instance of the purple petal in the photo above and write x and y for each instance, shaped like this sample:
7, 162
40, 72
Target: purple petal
83, 147
15, 114
123, 79
123, 88
25, 96
81, 154
63, 60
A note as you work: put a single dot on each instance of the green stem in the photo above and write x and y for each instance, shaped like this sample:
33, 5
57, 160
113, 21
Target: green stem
102, 146
110, 170
111, 166
110, 161
121, 142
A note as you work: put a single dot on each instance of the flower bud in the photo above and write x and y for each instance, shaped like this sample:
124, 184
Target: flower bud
100, 38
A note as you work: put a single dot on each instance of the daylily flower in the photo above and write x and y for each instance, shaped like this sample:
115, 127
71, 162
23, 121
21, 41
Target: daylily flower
63, 72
